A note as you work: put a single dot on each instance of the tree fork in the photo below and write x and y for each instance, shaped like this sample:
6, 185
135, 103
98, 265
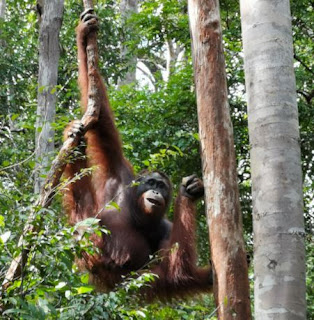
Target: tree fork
231, 286
58, 165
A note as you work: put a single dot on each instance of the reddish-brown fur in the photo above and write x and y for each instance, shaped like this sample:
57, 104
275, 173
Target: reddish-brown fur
128, 247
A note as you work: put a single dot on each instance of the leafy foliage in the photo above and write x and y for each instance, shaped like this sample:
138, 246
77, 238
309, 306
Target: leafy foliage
158, 124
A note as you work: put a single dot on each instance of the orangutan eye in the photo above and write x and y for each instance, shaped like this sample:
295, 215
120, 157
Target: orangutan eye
161, 185
151, 182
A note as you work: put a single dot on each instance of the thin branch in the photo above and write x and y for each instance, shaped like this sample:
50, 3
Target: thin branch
307, 96
303, 64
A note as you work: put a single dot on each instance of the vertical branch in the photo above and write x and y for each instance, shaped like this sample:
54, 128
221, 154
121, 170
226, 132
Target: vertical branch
58, 165
93, 106
88, 4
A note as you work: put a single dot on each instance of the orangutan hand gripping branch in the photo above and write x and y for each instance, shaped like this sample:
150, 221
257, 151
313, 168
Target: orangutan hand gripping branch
139, 230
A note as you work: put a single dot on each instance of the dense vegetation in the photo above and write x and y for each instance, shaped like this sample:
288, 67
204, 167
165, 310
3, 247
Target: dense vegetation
158, 123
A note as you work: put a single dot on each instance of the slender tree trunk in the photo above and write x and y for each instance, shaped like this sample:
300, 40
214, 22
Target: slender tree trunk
279, 258
49, 53
127, 8
2, 16
2, 8
231, 287
173, 51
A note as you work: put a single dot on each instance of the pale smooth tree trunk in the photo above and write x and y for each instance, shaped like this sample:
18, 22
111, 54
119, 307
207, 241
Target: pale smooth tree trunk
127, 8
174, 50
279, 258
2, 8
49, 53
2, 16
231, 286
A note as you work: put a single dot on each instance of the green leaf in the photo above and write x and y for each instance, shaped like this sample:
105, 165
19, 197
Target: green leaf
113, 205
141, 313
85, 278
43, 303
146, 163
68, 294
6, 163
14, 116
84, 289
53, 90
196, 136
89, 222
32, 164
41, 89
135, 184
60, 285
105, 231
5, 237
2, 224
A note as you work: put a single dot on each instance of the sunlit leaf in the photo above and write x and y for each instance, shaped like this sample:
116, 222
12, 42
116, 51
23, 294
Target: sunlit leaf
5, 236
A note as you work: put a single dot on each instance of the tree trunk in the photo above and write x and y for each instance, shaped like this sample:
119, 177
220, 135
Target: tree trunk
279, 258
2, 16
173, 51
2, 8
127, 8
231, 287
49, 53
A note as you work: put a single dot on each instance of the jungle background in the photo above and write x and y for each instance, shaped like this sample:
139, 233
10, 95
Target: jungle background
157, 119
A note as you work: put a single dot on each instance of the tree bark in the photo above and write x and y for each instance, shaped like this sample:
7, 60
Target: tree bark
2, 16
173, 51
49, 53
2, 8
279, 258
231, 287
127, 8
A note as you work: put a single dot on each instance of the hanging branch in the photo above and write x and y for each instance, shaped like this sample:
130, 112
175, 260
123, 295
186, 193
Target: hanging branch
88, 4
58, 165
